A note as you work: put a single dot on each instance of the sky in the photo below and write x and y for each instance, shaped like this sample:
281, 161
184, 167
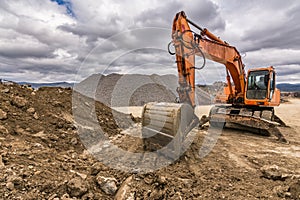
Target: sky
69, 40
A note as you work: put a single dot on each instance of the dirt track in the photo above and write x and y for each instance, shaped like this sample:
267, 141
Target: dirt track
42, 157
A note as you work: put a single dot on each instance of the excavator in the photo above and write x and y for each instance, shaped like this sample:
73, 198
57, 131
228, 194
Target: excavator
247, 103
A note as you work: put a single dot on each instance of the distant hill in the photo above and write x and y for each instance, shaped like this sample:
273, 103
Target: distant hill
57, 84
284, 87
287, 87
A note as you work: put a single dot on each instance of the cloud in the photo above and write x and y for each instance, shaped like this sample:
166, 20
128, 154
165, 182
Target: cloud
272, 56
18, 48
59, 40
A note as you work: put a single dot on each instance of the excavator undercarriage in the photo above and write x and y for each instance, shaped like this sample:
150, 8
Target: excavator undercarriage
259, 120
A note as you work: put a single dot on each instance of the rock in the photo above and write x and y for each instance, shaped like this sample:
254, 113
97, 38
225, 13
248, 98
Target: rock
294, 190
96, 168
1, 162
36, 116
38, 145
85, 155
274, 172
20, 102
57, 104
74, 141
88, 196
280, 191
65, 197
16, 181
3, 130
81, 175
76, 187
53, 197
20, 131
6, 90
3, 115
41, 134
162, 180
124, 190
148, 180
31, 110
10, 185
107, 184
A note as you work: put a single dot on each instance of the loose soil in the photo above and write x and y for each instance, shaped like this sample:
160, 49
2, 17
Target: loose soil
42, 157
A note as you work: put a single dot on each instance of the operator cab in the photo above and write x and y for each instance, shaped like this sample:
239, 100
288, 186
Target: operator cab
261, 86
257, 84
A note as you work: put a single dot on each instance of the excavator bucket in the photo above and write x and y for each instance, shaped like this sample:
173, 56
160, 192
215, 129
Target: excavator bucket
165, 125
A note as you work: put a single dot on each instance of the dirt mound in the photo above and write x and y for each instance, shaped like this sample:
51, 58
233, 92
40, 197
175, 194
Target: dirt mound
41, 154
42, 157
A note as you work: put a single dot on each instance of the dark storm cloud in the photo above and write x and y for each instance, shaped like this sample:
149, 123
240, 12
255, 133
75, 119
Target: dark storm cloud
204, 12
26, 52
94, 29
255, 25
280, 34
141, 57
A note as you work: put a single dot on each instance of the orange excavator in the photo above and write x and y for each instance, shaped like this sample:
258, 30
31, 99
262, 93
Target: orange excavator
247, 102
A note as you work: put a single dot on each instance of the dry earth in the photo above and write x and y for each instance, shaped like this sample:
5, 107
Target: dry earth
42, 157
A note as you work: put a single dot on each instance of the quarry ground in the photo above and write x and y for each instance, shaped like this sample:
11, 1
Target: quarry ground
42, 157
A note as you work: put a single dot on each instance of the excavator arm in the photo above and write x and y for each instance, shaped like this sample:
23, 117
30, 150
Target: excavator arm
189, 44
167, 124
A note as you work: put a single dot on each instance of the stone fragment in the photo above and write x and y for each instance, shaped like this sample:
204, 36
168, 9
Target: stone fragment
31, 110
6, 90
20, 102
124, 190
1, 162
274, 172
3, 115
107, 184
36, 116
10, 186
3, 130
76, 187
